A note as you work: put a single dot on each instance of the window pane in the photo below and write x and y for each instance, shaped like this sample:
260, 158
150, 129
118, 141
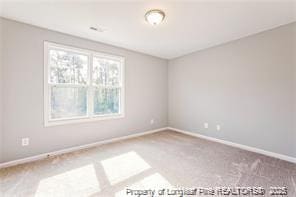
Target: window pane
67, 67
68, 102
106, 101
106, 72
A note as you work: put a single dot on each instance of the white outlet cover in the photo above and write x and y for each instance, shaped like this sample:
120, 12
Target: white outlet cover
25, 141
206, 125
152, 121
218, 127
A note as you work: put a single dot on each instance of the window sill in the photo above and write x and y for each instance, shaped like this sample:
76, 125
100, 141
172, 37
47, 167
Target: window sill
50, 123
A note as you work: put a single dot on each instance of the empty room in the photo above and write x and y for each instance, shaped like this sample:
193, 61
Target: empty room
147, 98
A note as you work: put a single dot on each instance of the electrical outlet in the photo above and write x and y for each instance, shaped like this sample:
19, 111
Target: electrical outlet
152, 121
206, 125
218, 127
25, 141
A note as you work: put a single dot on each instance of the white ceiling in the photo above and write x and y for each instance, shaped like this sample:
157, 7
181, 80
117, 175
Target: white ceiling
188, 26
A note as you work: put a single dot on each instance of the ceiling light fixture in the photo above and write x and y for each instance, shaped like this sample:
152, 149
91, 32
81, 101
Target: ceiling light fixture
154, 17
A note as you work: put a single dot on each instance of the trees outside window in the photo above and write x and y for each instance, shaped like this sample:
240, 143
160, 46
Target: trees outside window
81, 85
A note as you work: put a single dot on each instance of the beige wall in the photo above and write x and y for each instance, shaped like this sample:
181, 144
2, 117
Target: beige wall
294, 99
247, 86
145, 97
1, 79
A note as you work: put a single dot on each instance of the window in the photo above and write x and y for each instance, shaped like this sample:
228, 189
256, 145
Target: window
81, 85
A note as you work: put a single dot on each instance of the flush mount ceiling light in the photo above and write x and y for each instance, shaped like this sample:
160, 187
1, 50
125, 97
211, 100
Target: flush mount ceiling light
154, 17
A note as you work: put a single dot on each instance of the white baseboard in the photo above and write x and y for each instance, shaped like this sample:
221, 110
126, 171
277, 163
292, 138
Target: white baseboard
72, 149
240, 146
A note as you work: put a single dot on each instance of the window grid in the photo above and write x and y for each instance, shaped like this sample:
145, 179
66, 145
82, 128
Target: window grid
90, 86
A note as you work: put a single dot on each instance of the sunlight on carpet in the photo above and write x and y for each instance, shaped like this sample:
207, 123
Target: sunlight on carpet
77, 182
124, 166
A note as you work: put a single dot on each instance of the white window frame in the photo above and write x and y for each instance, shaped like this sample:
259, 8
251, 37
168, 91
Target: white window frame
90, 116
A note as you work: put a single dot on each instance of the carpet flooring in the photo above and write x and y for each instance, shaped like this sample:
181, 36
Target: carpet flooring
164, 160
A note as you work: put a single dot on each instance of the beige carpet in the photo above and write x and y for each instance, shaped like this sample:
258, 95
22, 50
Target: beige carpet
161, 160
